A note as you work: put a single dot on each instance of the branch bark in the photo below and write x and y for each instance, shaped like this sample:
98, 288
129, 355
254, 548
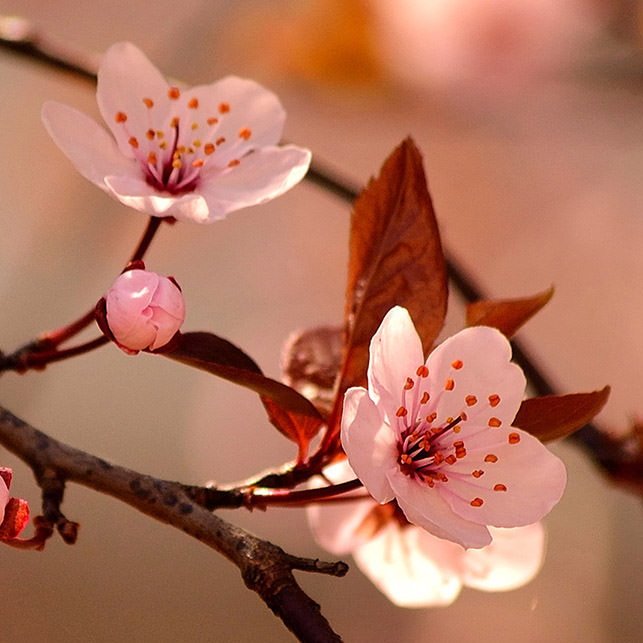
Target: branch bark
265, 568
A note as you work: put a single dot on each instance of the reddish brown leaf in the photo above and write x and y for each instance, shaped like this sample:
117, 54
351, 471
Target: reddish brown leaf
395, 259
295, 426
507, 315
311, 363
220, 357
16, 517
556, 416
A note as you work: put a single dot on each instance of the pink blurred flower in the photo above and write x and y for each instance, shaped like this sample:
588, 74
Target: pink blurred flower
14, 512
193, 154
143, 310
436, 436
412, 567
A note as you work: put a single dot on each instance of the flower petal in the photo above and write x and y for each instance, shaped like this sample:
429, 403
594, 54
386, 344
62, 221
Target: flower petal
260, 176
248, 115
426, 508
395, 353
369, 443
136, 193
510, 561
521, 482
87, 145
472, 372
4, 498
125, 78
396, 563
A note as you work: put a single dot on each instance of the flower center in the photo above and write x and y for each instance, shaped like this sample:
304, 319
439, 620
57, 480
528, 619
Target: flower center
174, 155
426, 444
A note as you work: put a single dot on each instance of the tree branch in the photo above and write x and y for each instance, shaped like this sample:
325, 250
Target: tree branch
265, 568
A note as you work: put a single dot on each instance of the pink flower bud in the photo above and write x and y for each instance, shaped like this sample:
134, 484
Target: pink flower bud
143, 310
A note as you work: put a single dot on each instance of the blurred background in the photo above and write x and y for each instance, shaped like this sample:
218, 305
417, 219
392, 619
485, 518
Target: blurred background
529, 115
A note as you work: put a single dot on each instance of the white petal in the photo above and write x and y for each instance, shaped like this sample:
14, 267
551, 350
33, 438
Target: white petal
396, 563
510, 561
136, 193
369, 443
475, 364
260, 176
88, 146
125, 78
336, 526
534, 479
426, 508
395, 354
253, 110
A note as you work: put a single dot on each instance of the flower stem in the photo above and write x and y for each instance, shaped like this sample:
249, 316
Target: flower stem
44, 350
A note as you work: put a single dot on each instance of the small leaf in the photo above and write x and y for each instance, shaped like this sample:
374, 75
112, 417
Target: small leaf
507, 315
311, 362
16, 517
295, 426
556, 416
396, 258
220, 357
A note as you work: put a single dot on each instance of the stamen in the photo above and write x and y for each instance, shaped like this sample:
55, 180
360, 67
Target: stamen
422, 371
120, 117
471, 400
245, 133
449, 385
193, 103
401, 412
494, 400
499, 487
409, 384
494, 422
513, 438
457, 364
224, 108
149, 103
477, 473
212, 120
491, 458
173, 93
477, 502
425, 398
234, 162
208, 148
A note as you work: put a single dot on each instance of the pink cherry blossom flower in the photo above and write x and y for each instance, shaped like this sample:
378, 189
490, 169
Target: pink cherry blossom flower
193, 154
412, 567
143, 310
436, 436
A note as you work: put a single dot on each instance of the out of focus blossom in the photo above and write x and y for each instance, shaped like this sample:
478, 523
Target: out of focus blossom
143, 310
436, 435
478, 44
189, 153
14, 512
412, 567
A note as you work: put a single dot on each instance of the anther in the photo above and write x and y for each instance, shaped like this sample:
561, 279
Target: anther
477, 502
494, 400
224, 108
133, 142
422, 371
457, 364
409, 384
208, 148
471, 400
120, 117
494, 422
245, 133
477, 473
149, 103
425, 398
193, 103
174, 93
513, 438
401, 412
212, 120
491, 458
499, 487
449, 385
234, 162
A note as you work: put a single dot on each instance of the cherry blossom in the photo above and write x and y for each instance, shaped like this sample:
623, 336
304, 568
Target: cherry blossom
193, 154
436, 435
412, 567
143, 310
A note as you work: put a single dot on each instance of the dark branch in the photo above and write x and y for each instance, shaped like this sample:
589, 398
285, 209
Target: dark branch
265, 568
